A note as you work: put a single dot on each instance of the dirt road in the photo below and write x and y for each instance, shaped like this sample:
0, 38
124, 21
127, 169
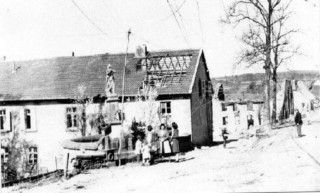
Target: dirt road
271, 164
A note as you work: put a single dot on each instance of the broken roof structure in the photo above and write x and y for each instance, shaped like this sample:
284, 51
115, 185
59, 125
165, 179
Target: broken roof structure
172, 72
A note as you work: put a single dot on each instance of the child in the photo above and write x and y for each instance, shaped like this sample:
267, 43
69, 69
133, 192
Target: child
138, 148
146, 156
225, 136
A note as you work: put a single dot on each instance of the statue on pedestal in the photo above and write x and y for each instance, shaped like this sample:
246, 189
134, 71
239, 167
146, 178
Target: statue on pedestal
111, 107
110, 87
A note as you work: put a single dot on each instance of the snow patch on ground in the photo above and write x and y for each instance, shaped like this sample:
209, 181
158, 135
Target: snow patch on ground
274, 163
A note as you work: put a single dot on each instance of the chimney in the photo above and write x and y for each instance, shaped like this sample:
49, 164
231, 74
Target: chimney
72, 54
145, 49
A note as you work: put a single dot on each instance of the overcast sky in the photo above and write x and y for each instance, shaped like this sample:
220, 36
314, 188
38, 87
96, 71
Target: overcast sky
32, 29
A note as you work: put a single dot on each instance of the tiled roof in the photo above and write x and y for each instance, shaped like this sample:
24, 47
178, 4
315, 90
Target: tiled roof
57, 78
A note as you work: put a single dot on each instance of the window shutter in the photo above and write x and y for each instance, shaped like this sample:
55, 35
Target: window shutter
199, 88
7, 120
67, 118
207, 89
25, 118
33, 118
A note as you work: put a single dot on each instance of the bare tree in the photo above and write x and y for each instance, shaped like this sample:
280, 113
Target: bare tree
267, 38
18, 146
148, 111
82, 100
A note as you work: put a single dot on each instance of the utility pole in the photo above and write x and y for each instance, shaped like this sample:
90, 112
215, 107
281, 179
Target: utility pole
1, 174
122, 99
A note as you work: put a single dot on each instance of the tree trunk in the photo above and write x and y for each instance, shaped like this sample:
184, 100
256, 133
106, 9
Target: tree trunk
274, 98
268, 61
267, 102
83, 121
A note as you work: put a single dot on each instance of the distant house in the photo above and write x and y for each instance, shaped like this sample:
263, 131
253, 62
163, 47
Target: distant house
294, 94
42, 91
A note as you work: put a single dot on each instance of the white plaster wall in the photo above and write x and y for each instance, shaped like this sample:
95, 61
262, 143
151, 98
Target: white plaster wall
256, 109
242, 108
231, 119
51, 132
49, 127
181, 114
217, 115
48, 132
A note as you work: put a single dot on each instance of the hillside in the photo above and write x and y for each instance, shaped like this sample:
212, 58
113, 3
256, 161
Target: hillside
298, 75
250, 86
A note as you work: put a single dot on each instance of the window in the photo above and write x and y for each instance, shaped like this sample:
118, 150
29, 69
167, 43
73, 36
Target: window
250, 106
4, 155
72, 117
204, 88
234, 107
223, 107
224, 120
33, 155
2, 119
165, 108
27, 118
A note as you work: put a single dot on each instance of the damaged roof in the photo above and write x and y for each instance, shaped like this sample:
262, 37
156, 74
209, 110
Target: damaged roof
57, 78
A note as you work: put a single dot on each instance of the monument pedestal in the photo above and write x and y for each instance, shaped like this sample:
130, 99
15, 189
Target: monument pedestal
111, 110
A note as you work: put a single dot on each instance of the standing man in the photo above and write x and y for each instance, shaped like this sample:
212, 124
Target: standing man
298, 121
250, 122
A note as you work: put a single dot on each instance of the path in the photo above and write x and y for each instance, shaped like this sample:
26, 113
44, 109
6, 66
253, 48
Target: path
271, 164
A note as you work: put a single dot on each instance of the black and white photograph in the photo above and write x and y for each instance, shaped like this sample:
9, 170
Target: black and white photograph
159, 96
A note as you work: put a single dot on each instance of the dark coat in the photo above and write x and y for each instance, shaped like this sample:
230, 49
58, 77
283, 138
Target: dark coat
225, 134
174, 141
298, 119
250, 122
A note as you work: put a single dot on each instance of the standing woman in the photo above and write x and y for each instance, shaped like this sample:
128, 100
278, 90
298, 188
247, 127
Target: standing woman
174, 140
163, 137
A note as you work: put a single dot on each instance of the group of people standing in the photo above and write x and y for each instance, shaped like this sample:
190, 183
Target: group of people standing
157, 143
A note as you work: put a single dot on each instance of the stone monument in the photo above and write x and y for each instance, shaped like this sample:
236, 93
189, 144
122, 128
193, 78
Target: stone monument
111, 107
